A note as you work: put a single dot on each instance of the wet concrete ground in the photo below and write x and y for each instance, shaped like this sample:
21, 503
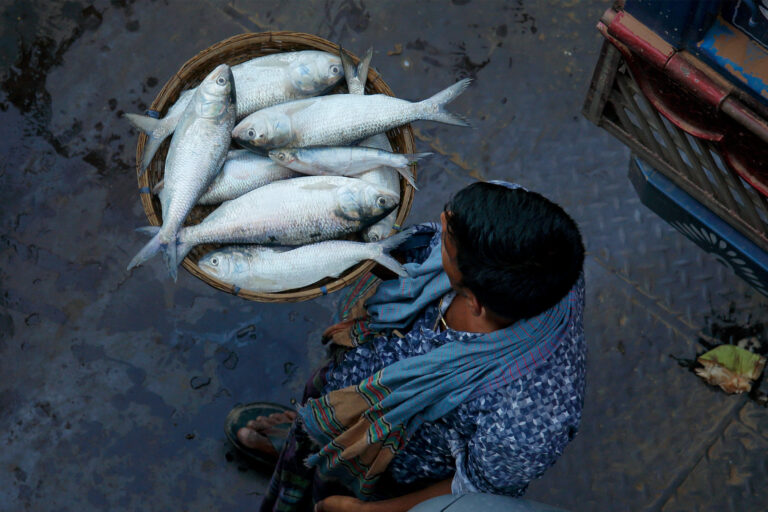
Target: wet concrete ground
114, 387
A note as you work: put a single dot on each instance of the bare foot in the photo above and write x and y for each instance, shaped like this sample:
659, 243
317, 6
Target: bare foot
254, 434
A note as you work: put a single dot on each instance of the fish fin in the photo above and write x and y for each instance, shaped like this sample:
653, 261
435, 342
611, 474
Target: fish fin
406, 173
157, 131
183, 249
170, 257
148, 230
414, 157
157, 188
350, 71
396, 240
434, 107
149, 250
362, 68
391, 263
387, 245
144, 124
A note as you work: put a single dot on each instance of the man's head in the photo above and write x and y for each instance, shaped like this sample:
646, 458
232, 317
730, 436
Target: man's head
515, 251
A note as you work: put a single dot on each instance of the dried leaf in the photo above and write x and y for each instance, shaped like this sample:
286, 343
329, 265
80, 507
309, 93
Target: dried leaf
730, 367
397, 51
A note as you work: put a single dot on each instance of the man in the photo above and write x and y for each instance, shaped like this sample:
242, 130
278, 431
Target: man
466, 376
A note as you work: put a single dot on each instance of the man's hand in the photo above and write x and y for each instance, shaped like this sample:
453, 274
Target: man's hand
337, 328
340, 334
400, 504
341, 504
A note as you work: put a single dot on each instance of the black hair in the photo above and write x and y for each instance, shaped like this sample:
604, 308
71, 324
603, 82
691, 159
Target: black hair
518, 252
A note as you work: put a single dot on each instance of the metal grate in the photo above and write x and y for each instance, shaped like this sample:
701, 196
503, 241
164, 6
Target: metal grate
616, 103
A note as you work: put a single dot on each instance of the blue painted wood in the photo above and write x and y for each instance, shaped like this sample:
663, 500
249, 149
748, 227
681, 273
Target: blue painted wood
749, 16
748, 70
679, 22
699, 224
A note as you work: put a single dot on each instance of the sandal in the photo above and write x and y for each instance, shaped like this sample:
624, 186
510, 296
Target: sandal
239, 418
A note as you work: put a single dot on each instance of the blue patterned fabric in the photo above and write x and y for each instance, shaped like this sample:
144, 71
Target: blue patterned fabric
498, 439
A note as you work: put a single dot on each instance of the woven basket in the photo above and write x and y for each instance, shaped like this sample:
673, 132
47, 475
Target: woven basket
233, 51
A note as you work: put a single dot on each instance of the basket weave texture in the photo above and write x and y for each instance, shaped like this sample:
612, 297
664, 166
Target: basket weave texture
233, 51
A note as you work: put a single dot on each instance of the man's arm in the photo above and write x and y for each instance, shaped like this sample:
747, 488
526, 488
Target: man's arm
399, 504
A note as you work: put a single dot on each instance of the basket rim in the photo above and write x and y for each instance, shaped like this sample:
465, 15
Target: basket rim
211, 56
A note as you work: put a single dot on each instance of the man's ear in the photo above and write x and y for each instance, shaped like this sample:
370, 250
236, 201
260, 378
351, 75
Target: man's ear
475, 308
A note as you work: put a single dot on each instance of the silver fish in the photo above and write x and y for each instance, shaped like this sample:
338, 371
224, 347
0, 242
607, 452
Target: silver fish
343, 161
260, 82
197, 151
293, 212
384, 177
242, 172
340, 119
265, 269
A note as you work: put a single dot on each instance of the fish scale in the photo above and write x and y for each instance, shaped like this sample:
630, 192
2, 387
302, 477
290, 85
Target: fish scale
264, 269
340, 119
260, 83
293, 212
197, 150
242, 172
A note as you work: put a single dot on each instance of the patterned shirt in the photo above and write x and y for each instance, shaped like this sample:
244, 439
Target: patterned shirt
495, 443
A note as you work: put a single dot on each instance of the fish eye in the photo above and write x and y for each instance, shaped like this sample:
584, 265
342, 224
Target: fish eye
381, 201
214, 261
251, 133
335, 69
221, 80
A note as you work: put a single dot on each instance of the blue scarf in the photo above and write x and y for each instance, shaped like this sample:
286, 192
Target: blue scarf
361, 428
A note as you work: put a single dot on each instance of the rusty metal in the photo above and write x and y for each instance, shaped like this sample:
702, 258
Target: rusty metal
636, 40
698, 165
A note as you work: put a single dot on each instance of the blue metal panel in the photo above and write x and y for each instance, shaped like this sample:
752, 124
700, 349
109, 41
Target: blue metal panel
678, 22
749, 16
699, 224
737, 56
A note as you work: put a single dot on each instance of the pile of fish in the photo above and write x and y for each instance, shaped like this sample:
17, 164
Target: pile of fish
313, 169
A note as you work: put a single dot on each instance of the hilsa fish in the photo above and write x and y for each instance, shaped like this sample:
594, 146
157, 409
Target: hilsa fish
260, 82
198, 149
292, 212
340, 119
344, 161
242, 172
266, 270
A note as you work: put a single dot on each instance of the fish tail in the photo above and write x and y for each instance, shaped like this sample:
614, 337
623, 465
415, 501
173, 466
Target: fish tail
144, 124
156, 129
150, 249
434, 107
362, 68
170, 257
356, 76
184, 248
414, 157
387, 245
148, 230
350, 71
406, 173
157, 188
